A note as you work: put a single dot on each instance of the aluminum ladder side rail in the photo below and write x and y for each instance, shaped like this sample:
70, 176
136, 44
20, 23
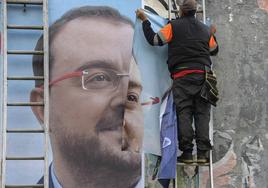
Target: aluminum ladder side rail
171, 6
4, 95
204, 11
211, 169
211, 117
46, 92
169, 10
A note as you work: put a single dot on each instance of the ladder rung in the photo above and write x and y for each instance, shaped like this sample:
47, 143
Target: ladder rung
26, 104
25, 78
25, 131
177, 11
25, 158
32, 27
199, 11
24, 186
193, 164
25, 52
32, 2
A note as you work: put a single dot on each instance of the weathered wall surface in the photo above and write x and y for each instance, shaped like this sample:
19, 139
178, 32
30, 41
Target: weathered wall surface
240, 120
242, 69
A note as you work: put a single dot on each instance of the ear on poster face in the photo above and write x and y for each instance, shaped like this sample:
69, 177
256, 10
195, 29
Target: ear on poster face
37, 95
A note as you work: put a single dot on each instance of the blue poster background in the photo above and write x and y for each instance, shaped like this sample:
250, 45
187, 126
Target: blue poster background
155, 80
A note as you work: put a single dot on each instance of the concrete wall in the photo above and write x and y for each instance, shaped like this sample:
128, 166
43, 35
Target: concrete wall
242, 69
240, 120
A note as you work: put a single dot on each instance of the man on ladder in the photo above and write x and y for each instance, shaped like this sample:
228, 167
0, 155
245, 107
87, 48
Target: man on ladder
190, 45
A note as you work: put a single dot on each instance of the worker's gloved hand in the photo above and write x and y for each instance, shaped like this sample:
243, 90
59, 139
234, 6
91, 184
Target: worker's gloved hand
213, 29
140, 14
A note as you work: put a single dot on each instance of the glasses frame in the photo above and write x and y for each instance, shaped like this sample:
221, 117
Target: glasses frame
77, 74
84, 72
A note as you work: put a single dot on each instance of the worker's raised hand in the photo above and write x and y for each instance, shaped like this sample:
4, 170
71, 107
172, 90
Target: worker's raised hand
140, 14
213, 29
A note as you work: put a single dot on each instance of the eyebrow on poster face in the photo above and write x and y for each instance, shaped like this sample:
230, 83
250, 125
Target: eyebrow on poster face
98, 64
135, 84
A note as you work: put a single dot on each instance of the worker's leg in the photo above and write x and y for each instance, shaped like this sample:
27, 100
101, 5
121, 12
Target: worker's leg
202, 118
185, 89
184, 109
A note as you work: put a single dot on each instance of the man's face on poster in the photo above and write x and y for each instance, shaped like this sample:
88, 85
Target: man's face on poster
87, 112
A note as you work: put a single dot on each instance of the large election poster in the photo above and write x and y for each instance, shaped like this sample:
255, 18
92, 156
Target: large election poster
95, 114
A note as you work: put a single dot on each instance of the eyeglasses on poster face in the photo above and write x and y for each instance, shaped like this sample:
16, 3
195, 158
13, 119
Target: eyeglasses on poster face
99, 79
94, 79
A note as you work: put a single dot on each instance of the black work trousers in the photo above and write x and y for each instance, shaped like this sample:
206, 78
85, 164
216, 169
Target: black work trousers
189, 106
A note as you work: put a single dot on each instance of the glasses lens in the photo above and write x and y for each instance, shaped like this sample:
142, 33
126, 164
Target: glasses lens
100, 79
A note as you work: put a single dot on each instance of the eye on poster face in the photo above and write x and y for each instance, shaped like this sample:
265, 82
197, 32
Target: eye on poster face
95, 108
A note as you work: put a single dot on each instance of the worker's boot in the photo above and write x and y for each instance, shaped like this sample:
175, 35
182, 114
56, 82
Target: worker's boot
186, 157
202, 156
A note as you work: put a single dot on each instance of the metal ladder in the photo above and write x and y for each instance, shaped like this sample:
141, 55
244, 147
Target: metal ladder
6, 78
173, 9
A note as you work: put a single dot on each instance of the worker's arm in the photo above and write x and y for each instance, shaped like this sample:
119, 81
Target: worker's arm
213, 45
156, 39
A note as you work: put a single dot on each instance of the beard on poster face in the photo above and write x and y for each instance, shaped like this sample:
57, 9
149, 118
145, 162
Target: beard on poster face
83, 152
